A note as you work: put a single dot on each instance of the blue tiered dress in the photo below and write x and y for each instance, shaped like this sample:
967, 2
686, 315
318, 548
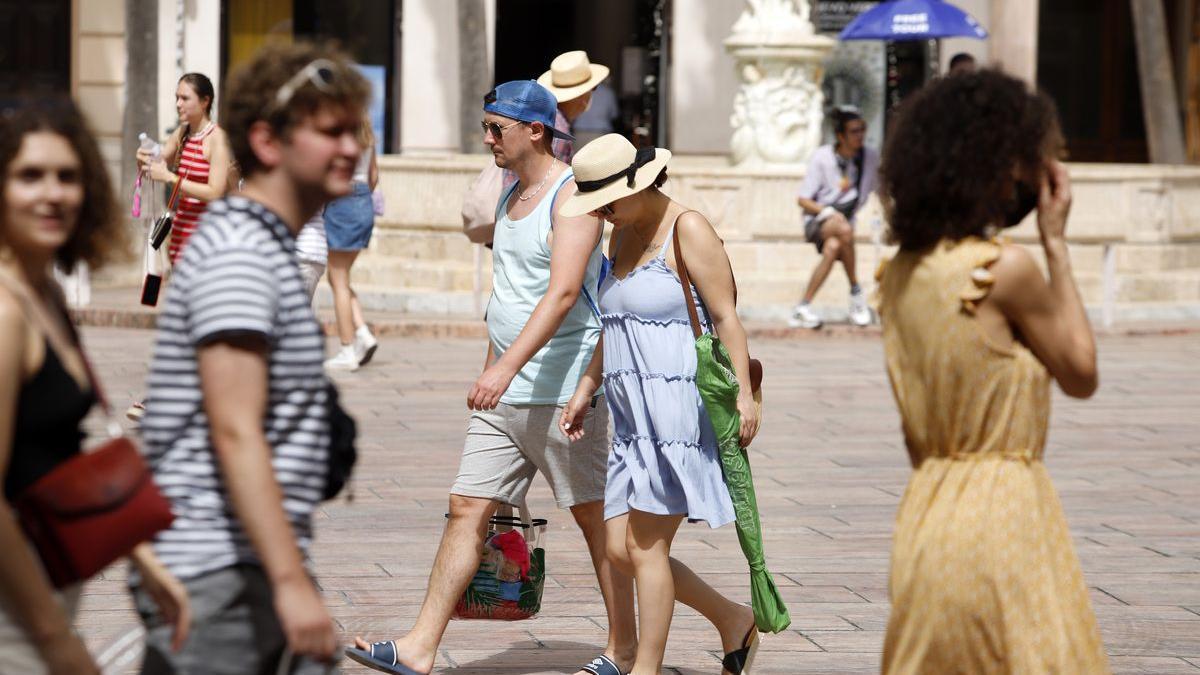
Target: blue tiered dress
664, 450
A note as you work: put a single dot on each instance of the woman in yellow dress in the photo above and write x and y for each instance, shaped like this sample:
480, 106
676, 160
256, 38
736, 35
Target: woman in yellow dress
984, 578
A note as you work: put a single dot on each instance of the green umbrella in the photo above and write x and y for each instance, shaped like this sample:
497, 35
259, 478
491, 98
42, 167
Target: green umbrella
718, 387
719, 390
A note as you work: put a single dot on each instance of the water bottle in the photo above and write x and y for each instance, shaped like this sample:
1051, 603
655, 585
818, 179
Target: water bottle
150, 145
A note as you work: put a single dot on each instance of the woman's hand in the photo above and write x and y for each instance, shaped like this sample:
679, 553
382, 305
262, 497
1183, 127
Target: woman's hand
65, 654
160, 172
167, 592
573, 413
143, 159
751, 416
1054, 202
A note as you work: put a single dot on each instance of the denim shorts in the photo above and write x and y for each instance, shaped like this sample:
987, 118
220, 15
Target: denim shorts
350, 220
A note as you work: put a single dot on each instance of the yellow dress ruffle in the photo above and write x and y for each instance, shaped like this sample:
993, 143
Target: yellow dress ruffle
984, 578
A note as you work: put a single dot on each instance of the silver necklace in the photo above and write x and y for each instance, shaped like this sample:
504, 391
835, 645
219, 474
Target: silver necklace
538, 189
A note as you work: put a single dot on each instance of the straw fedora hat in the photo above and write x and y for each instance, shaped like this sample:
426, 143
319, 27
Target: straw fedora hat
610, 168
571, 75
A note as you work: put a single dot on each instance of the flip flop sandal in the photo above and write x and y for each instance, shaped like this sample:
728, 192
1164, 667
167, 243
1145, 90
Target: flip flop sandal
382, 657
739, 662
602, 665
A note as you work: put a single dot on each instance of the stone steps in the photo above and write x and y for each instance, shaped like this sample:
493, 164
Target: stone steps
412, 274
423, 244
770, 277
412, 300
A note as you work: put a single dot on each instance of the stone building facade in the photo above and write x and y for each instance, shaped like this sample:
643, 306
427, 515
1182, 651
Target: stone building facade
679, 69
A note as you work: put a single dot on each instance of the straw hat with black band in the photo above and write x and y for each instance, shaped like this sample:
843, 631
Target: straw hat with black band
572, 75
610, 168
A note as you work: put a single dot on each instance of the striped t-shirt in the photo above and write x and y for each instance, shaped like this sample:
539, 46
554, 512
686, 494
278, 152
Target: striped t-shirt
238, 275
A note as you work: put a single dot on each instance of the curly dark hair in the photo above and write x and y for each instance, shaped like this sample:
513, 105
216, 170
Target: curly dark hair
251, 94
950, 162
99, 235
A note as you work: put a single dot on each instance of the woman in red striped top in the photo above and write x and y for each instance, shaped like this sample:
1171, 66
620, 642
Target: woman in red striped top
200, 152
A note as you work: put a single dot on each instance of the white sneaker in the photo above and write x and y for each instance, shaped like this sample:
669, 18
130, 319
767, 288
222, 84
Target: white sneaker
365, 345
345, 359
860, 314
803, 316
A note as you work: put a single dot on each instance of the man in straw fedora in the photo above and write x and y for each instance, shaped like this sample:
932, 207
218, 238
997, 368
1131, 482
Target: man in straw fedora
543, 328
572, 78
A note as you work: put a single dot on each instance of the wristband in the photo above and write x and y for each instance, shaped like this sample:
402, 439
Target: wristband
825, 213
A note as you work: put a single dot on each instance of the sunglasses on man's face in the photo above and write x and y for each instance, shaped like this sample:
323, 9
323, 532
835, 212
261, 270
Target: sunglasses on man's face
496, 130
604, 211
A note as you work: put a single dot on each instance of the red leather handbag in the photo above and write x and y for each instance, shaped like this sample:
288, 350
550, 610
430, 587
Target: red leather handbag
93, 508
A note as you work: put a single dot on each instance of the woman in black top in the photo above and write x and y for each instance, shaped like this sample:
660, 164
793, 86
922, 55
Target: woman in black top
56, 206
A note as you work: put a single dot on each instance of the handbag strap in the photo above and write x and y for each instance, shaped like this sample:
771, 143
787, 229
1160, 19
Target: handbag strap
173, 200
34, 315
685, 281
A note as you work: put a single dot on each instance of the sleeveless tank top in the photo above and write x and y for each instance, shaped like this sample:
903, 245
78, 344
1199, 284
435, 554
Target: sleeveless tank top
46, 431
520, 278
187, 215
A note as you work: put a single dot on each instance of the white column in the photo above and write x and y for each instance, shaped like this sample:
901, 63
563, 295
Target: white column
201, 51
1014, 38
429, 101
703, 76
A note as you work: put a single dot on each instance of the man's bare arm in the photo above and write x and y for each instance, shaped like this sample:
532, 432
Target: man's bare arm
572, 243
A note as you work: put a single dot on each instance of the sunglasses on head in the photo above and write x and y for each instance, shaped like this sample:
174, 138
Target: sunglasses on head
496, 130
319, 74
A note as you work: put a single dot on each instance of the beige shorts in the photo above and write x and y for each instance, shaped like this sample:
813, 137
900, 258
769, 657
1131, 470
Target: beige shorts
505, 447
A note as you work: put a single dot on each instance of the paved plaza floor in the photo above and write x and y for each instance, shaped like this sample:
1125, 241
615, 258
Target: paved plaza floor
830, 467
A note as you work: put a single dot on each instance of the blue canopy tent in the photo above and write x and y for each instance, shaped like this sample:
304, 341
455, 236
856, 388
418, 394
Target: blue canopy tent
899, 20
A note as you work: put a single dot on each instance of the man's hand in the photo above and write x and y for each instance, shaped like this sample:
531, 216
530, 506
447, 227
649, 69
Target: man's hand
306, 623
167, 592
491, 385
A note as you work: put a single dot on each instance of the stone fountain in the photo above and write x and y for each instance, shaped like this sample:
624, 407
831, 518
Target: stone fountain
778, 109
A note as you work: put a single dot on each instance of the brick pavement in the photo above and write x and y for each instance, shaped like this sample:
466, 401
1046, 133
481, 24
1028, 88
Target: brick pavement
830, 468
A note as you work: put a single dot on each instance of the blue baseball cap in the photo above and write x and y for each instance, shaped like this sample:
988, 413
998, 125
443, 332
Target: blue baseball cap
527, 101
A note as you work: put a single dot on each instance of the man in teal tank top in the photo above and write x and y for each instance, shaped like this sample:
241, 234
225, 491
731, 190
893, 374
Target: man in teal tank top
543, 328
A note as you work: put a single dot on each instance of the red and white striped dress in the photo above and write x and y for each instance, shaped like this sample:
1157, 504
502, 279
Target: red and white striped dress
192, 163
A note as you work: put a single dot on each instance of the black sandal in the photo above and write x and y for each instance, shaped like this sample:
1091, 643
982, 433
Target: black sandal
739, 662
602, 665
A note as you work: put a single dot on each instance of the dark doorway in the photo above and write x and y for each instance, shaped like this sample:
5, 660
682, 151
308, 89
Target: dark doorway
910, 64
628, 36
366, 30
35, 47
1087, 61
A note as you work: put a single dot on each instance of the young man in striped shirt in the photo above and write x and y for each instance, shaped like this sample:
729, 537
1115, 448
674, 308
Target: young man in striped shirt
237, 417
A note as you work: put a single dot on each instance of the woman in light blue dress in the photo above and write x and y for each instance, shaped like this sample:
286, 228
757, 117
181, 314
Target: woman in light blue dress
663, 466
